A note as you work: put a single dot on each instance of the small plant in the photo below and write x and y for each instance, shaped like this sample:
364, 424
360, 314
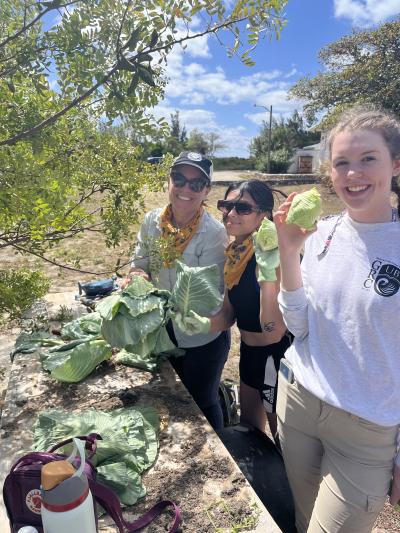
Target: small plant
64, 314
237, 520
160, 251
19, 289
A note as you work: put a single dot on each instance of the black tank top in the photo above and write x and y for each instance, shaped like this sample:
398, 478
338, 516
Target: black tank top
245, 299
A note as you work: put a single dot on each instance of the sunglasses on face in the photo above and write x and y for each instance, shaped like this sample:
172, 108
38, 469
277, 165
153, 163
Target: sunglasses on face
195, 184
241, 208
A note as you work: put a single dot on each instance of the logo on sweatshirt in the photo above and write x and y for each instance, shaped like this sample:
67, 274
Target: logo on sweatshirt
384, 277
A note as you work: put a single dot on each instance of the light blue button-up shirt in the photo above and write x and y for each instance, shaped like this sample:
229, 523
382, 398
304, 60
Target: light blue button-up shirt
205, 248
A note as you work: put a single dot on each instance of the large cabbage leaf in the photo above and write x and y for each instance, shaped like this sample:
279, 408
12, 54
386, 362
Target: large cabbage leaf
75, 364
146, 353
124, 330
138, 287
196, 289
129, 443
305, 209
85, 326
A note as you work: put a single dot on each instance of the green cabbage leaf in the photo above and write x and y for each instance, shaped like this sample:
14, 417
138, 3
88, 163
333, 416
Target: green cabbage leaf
266, 238
129, 444
305, 209
196, 289
75, 364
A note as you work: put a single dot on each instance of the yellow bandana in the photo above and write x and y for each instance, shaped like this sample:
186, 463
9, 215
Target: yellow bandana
177, 238
237, 257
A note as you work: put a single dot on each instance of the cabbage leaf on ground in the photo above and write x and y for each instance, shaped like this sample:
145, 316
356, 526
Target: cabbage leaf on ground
74, 364
128, 447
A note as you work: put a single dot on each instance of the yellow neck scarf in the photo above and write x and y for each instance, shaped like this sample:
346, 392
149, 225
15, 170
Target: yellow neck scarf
178, 238
237, 257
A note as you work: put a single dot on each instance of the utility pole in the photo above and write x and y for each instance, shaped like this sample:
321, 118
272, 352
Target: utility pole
269, 135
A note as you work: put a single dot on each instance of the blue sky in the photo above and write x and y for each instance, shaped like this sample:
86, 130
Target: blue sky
215, 93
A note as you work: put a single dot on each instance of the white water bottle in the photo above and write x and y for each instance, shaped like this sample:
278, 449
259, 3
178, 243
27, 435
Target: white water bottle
67, 503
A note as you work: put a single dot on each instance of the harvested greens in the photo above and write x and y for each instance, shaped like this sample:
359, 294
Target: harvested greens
129, 443
134, 321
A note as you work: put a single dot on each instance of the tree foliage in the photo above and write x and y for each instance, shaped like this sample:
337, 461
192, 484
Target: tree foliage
68, 70
286, 135
363, 67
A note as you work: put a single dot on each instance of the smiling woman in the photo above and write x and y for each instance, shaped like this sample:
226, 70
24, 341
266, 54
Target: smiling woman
183, 229
338, 412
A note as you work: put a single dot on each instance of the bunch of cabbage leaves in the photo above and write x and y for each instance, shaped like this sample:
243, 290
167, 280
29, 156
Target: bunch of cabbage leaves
129, 443
135, 319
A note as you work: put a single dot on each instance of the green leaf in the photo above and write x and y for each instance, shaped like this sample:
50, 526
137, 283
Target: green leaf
133, 39
196, 289
305, 209
134, 82
129, 443
153, 39
146, 75
125, 64
74, 365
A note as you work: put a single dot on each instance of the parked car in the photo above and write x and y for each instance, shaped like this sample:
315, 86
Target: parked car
154, 160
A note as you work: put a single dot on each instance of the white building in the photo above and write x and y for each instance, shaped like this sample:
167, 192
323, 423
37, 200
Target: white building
308, 160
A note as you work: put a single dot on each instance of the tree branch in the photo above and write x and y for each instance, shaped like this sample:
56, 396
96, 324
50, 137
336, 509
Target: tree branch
66, 267
52, 119
26, 27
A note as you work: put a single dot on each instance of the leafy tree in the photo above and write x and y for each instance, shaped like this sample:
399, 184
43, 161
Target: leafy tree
198, 142
286, 135
60, 172
363, 67
175, 142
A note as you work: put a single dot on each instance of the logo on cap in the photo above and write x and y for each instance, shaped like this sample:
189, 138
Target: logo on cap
194, 156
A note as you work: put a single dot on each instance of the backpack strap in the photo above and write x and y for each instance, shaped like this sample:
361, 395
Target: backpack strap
110, 502
91, 443
35, 457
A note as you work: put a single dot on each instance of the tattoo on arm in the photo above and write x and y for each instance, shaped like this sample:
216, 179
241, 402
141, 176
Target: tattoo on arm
269, 326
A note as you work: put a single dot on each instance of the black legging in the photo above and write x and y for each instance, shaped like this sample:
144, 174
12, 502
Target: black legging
200, 371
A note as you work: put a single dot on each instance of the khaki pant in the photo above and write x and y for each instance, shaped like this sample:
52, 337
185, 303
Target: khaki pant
339, 465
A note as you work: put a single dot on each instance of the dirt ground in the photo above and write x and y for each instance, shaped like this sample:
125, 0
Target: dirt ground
95, 257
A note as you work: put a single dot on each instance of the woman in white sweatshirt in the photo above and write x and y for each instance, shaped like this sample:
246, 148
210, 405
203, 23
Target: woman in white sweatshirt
339, 405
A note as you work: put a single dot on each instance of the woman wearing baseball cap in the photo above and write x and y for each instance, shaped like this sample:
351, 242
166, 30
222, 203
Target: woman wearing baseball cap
189, 233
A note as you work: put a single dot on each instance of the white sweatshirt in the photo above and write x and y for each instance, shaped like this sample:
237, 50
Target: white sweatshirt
346, 319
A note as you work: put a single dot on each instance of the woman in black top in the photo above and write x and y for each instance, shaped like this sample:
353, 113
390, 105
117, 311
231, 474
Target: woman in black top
252, 303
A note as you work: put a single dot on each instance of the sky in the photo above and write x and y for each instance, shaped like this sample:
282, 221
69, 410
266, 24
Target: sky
215, 93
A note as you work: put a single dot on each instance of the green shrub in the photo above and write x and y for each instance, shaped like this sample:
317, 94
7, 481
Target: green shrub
19, 289
280, 161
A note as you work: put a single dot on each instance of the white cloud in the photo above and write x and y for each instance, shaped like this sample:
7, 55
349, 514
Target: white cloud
366, 12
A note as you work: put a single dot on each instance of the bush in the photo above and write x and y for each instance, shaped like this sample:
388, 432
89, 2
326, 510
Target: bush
280, 161
19, 289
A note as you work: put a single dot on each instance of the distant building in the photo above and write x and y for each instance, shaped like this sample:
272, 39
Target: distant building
308, 160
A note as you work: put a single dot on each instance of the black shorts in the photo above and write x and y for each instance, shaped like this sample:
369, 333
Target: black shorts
258, 368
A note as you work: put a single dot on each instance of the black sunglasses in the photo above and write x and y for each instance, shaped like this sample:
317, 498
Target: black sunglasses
241, 208
195, 185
